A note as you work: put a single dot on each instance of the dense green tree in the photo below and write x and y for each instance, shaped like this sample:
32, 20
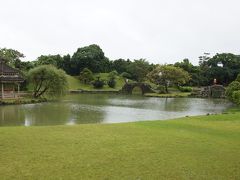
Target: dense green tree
204, 59
91, 57
105, 65
185, 65
47, 80
67, 64
167, 74
139, 69
11, 56
223, 67
86, 76
194, 71
121, 65
55, 60
24, 66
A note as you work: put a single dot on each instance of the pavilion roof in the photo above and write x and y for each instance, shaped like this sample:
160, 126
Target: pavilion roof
9, 74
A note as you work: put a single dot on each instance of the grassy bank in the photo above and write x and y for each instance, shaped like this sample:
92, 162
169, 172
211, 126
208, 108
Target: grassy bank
170, 95
23, 100
206, 147
75, 84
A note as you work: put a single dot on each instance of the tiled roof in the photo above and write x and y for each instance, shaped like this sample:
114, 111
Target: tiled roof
4, 68
7, 79
9, 74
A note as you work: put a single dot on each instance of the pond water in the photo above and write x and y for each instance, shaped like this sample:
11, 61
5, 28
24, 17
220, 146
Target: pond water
99, 108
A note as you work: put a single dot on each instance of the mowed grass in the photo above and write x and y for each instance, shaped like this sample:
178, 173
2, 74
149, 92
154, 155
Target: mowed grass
75, 84
204, 147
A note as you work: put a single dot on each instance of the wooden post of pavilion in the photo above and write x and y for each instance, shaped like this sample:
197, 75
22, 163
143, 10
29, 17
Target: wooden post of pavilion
18, 90
13, 90
2, 91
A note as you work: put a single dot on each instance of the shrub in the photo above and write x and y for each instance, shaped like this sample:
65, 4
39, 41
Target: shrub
98, 84
113, 74
112, 83
86, 76
185, 89
236, 97
234, 86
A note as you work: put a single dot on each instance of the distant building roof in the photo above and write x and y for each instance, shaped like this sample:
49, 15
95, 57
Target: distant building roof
9, 74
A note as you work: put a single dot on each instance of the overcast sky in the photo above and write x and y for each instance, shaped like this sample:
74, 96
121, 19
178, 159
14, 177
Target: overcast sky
162, 31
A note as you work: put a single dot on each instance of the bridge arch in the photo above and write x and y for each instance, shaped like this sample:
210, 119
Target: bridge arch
128, 88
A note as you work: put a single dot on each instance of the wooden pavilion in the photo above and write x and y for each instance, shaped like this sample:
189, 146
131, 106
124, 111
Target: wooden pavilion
10, 79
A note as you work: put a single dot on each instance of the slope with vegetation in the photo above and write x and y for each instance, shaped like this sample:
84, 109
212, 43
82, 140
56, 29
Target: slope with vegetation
76, 84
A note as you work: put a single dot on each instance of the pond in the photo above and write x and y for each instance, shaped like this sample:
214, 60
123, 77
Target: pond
99, 108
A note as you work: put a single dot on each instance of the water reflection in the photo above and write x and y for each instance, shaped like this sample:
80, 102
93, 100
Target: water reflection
11, 116
40, 114
82, 114
96, 108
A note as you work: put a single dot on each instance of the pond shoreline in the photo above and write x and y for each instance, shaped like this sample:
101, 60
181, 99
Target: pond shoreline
118, 92
26, 100
173, 95
20, 101
94, 92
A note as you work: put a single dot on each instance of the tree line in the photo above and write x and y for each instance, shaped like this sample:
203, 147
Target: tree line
224, 67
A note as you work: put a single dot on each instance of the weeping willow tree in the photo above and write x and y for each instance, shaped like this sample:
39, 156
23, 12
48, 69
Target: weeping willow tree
48, 80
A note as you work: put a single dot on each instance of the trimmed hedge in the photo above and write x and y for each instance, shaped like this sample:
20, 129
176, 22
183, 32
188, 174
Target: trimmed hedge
185, 89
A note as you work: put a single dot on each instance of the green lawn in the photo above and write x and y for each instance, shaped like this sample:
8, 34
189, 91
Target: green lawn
204, 147
75, 84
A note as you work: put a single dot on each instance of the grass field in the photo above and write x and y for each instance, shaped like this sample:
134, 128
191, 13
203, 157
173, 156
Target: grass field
204, 147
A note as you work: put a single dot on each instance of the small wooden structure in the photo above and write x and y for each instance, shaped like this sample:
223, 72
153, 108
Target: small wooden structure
10, 79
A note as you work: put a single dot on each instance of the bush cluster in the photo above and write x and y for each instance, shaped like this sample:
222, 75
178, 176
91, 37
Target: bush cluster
98, 84
233, 91
111, 83
236, 97
185, 89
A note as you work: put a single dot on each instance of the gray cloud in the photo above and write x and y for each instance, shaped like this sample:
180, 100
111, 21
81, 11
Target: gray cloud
160, 31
